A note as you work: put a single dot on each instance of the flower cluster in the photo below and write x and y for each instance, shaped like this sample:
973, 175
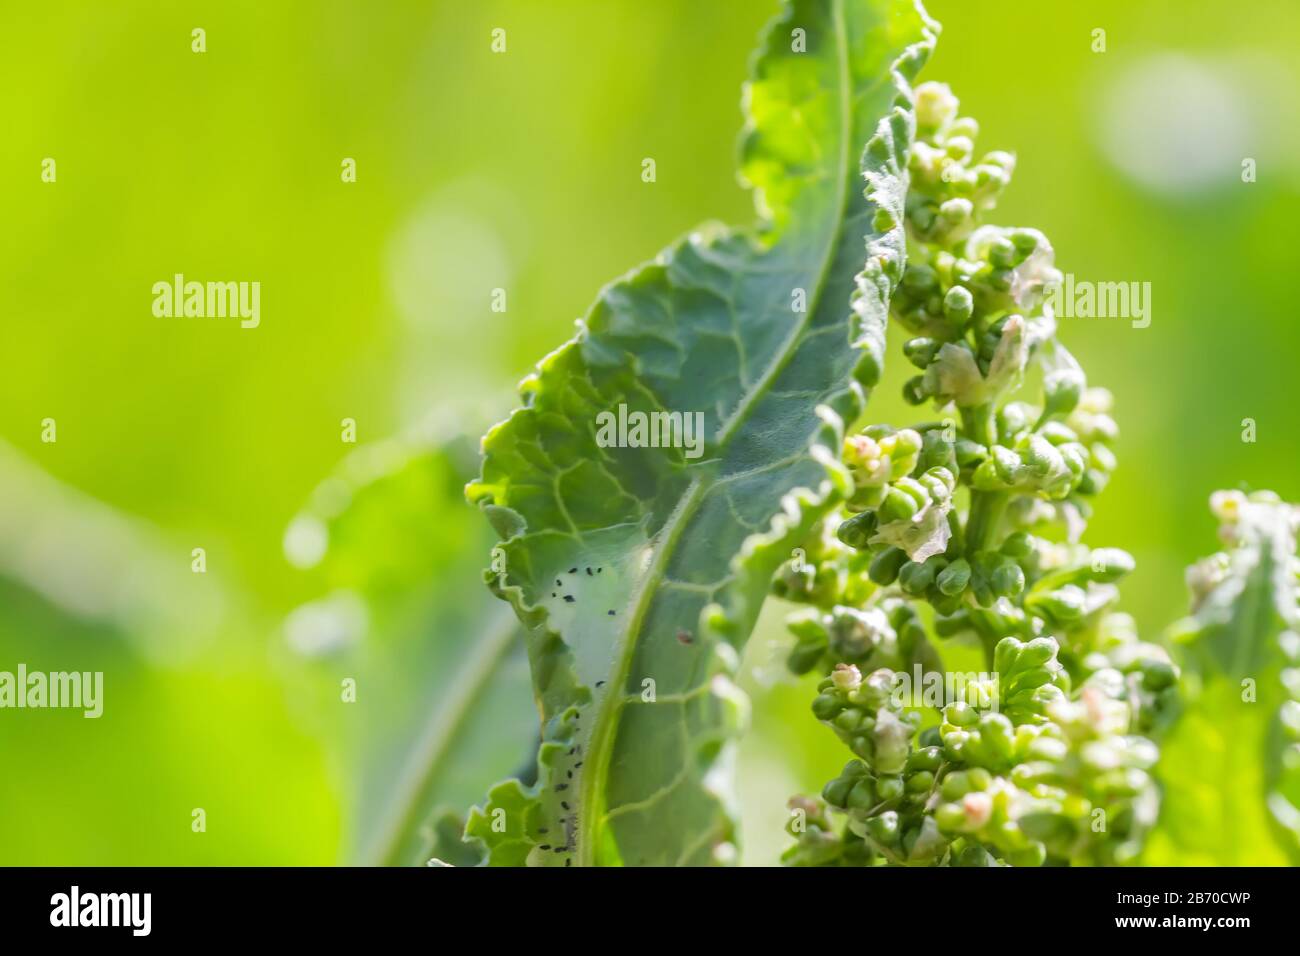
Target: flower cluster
979, 515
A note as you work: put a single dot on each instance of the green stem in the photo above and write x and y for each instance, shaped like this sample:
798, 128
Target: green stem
980, 424
986, 508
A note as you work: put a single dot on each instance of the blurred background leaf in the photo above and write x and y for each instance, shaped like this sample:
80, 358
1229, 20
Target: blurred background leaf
416, 673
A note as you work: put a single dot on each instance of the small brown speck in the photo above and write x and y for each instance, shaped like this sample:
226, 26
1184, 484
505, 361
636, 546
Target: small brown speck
685, 637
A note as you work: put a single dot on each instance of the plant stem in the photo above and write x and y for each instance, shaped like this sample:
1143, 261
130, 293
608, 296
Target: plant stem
979, 422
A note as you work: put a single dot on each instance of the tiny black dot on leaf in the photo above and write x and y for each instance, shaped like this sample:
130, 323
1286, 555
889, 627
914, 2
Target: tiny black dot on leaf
570, 598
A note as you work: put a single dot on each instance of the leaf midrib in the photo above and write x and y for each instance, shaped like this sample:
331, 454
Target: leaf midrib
600, 748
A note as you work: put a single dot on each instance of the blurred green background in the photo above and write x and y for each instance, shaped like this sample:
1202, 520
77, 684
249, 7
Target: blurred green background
519, 171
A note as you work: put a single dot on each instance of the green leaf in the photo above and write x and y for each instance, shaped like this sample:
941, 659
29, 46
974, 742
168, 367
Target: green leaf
1227, 793
640, 570
443, 703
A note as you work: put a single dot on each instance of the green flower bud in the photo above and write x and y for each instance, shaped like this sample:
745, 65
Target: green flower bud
902, 447
857, 530
849, 721
804, 657
1157, 675
886, 565
1062, 390
973, 856
915, 577
927, 758
1063, 606
889, 787
1006, 463
920, 351
1032, 855
938, 483
1036, 653
969, 453
862, 796
1008, 580
950, 818
961, 714
919, 782
914, 490
826, 706
958, 304
1059, 434
965, 126
836, 793
919, 278
1018, 546
916, 391
953, 579
1002, 253
884, 828
959, 148
936, 107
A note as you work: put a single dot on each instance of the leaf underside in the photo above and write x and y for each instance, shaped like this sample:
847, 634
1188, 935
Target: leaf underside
639, 571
